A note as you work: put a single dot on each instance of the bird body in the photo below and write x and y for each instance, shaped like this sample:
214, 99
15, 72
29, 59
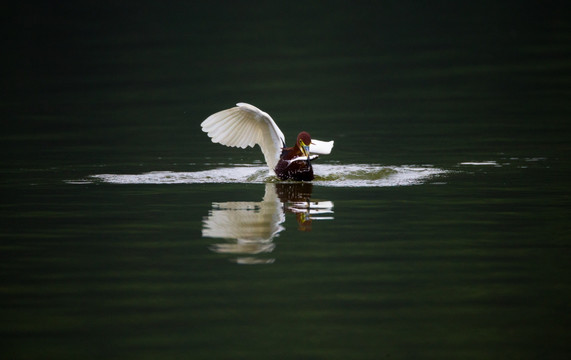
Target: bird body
295, 163
246, 125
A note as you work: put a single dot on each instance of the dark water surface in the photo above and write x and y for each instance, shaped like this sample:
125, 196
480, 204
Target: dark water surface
437, 228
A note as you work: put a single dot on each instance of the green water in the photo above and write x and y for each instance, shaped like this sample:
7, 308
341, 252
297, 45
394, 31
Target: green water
471, 264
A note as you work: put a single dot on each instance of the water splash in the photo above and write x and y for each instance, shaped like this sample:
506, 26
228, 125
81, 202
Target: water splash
335, 175
373, 175
481, 163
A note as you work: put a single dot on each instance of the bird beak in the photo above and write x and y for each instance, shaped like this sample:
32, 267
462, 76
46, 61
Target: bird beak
304, 149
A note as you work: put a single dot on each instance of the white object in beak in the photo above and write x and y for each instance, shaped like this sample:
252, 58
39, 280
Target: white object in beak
321, 147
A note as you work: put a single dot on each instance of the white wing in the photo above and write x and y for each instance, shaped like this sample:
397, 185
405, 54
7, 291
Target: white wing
243, 126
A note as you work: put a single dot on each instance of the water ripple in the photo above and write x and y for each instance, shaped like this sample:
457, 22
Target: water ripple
335, 175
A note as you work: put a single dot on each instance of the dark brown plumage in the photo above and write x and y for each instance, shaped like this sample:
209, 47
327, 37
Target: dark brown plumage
298, 170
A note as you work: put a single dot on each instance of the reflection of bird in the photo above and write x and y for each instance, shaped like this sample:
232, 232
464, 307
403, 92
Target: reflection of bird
296, 193
297, 199
246, 125
250, 227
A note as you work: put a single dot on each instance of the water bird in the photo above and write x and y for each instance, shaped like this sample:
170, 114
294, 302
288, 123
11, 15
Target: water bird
246, 125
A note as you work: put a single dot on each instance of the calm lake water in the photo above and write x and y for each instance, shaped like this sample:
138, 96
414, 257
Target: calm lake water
437, 228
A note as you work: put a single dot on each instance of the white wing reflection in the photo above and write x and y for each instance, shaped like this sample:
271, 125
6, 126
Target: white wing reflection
249, 226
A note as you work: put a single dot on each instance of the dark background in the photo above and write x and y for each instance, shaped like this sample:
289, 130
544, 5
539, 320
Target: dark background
471, 265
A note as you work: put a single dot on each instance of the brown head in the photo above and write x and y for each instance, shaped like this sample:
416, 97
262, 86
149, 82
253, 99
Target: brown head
303, 142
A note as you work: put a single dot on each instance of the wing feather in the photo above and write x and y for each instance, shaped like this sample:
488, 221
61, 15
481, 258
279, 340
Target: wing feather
227, 133
239, 135
243, 126
242, 133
